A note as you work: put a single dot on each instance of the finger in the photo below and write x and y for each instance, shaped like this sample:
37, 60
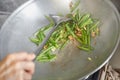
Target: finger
16, 71
20, 56
10, 59
27, 76
14, 57
17, 76
28, 67
13, 72
13, 67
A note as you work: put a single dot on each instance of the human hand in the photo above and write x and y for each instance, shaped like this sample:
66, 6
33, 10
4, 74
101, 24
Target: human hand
17, 66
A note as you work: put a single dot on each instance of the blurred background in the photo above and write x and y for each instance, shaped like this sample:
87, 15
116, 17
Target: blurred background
8, 6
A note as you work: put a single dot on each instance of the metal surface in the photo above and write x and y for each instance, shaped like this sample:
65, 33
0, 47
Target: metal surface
15, 33
116, 57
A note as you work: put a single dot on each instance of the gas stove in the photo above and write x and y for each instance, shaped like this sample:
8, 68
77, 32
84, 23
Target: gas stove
8, 6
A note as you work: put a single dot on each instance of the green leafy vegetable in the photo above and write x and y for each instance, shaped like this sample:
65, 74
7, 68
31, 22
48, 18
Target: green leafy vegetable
81, 28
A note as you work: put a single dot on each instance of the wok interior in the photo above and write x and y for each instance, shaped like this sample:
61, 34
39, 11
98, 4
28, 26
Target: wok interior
72, 63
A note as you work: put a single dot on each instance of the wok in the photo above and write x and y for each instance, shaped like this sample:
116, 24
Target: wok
74, 64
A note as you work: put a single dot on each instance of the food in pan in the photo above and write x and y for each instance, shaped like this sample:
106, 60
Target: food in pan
79, 30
